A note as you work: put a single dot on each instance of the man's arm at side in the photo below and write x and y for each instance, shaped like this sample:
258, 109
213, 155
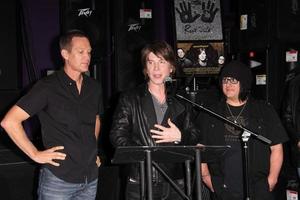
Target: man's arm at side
276, 160
97, 132
12, 123
206, 178
97, 126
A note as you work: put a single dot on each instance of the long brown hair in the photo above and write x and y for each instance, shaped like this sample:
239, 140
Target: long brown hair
160, 49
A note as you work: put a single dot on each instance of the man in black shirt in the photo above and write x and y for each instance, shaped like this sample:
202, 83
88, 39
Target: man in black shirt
68, 104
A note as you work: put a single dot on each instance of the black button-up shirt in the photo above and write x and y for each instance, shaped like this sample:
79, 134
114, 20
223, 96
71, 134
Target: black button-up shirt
68, 119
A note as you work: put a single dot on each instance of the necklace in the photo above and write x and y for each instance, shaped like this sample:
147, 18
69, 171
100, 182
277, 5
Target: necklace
237, 117
160, 100
162, 106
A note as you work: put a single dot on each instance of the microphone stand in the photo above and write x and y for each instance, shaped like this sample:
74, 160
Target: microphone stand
245, 137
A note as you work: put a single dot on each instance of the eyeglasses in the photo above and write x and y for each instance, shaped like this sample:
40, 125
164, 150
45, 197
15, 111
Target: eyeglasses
230, 80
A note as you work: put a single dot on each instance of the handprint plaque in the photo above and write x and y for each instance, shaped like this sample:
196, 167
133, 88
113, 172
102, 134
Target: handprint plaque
198, 20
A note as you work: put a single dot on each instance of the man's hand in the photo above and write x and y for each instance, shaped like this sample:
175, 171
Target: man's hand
272, 182
185, 13
166, 134
206, 178
49, 155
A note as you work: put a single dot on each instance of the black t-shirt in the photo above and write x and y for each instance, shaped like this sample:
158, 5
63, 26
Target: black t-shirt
233, 177
67, 119
261, 119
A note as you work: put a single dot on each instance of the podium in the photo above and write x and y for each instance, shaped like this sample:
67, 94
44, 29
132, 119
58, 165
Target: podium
149, 155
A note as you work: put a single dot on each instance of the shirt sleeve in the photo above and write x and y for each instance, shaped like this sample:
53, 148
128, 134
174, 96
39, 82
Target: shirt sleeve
275, 130
34, 100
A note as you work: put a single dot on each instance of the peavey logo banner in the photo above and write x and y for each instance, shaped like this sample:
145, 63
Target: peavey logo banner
87, 12
134, 27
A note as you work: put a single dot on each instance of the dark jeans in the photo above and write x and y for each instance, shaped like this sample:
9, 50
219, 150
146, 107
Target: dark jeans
53, 188
161, 191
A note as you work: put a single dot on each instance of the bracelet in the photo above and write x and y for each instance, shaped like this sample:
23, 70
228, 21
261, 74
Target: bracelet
205, 175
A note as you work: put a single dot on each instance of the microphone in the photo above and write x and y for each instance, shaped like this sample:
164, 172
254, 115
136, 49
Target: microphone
168, 84
169, 88
168, 80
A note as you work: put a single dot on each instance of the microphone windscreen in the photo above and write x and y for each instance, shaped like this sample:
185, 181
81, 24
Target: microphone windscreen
168, 79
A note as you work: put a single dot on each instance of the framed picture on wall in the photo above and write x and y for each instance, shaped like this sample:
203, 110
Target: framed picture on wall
199, 58
198, 20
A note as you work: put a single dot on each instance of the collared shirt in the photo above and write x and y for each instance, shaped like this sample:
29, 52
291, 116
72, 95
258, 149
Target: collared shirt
67, 119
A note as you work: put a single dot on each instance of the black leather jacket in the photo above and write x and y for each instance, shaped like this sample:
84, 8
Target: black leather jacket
135, 116
291, 106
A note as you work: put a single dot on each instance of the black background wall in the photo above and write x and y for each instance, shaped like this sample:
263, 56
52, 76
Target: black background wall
7, 99
92, 17
130, 34
18, 174
9, 68
18, 180
271, 30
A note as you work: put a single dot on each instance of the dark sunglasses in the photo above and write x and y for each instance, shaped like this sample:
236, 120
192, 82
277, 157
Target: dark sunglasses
230, 80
